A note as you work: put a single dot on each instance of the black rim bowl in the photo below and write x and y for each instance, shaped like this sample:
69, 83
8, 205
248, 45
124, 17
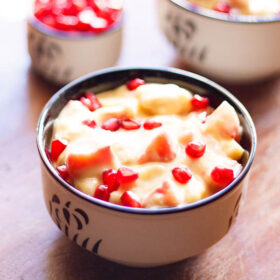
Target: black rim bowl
114, 77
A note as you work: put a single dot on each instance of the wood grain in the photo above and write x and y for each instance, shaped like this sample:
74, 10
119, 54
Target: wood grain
31, 247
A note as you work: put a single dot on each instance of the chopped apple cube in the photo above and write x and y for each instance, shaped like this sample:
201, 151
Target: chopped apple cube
232, 149
86, 185
161, 99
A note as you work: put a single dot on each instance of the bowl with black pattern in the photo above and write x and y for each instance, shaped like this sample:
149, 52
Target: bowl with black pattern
227, 47
141, 236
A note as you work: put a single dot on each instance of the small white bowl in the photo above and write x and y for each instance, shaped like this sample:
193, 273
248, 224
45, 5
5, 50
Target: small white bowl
239, 49
61, 56
139, 236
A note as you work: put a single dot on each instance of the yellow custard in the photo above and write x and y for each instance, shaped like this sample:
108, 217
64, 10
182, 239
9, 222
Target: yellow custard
152, 139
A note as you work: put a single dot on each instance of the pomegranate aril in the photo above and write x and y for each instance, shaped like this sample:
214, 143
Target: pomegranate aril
57, 147
222, 176
195, 149
63, 172
112, 124
135, 83
110, 179
199, 102
130, 124
90, 101
90, 123
181, 174
102, 192
130, 199
126, 175
222, 7
150, 124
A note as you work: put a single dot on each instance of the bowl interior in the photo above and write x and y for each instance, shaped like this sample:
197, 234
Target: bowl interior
114, 77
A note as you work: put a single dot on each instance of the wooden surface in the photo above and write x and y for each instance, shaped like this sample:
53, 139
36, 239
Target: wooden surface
31, 246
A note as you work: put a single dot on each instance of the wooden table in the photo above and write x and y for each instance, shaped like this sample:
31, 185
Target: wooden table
31, 246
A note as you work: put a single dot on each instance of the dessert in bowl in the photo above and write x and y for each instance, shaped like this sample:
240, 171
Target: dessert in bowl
221, 41
68, 38
167, 221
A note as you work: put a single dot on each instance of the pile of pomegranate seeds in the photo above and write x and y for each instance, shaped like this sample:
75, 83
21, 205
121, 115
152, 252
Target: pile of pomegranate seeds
57, 147
78, 15
195, 149
199, 102
222, 176
181, 174
90, 101
135, 83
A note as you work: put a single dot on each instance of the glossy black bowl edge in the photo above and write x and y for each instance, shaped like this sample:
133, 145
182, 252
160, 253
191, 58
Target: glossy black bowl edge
116, 76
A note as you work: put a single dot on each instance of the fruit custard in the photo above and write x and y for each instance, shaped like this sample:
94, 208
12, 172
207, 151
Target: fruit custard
147, 145
93, 16
245, 7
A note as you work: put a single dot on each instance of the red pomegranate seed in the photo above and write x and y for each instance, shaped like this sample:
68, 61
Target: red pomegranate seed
126, 175
222, 176
63, 172
89, 123
57, 147
222, 7
150, 124
135, 83
90, 101
110, 179
199, 102
195, 149
112, 124
130, 124
130, 199
181, 174
102, 192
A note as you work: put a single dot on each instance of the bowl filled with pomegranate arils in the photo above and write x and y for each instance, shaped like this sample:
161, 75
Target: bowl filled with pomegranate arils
158, 156
70, 38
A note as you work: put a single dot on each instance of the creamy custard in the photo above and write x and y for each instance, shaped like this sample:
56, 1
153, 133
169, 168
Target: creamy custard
146, 143
245, 7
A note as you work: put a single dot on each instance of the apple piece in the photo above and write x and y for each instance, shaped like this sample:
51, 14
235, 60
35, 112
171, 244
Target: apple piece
161, 99
232, 149
224, 122
159, 150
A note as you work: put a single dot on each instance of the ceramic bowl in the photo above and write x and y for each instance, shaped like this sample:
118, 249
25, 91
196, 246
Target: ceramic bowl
61, 56
241, 49
138, 236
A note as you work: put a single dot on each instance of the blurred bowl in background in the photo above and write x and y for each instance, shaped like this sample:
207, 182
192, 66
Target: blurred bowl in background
233, 49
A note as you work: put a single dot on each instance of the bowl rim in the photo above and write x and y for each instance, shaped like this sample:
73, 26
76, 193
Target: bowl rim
74, 36
144, 211
238, 19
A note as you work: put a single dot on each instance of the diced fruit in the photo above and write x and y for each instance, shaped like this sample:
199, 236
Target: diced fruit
63, 172
130, 124
57, 147
89, 123
195, 149
159, 150
232, 149
126, 175
112, 124
135, 83
181, 174
102, 192
110, 179
222, 7
162, 99
91, 101
199, 102
151, 124
222, 176
224, 122
130, 199
78, 163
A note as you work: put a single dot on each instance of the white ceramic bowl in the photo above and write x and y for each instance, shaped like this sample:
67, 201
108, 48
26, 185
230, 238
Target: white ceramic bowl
231, 49
61, 57
141, 237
